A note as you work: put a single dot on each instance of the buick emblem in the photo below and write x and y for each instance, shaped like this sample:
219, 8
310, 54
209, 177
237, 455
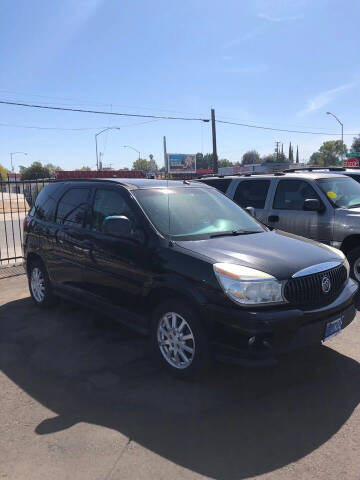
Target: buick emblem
325, 284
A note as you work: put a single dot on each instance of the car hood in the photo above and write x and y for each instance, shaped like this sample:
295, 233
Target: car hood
277, 253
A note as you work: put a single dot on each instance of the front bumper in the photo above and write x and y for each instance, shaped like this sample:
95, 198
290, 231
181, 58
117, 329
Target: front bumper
258, 337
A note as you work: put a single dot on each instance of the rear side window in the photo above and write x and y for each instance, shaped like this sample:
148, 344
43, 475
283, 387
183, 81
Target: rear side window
219, 183
72, 207
252, 193
291, 194
45, 204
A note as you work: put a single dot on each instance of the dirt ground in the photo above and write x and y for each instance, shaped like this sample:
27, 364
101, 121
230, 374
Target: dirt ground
80, 399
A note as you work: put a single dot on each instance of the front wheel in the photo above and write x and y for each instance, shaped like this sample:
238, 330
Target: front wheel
40, 286
179, 340
354, 261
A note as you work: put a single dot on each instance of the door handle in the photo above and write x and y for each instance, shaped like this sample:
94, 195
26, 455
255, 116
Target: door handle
273, 218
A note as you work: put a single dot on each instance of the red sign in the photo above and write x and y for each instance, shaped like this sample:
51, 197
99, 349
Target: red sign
352, 162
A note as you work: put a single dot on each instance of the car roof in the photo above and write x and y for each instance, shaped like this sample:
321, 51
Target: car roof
267, 176
136, 183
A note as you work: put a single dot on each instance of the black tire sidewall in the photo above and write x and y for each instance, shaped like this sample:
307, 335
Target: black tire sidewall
203, 355
49, 298
353, 255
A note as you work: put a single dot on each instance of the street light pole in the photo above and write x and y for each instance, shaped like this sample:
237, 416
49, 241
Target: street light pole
96, 145
11, 158
132, 148
342, 134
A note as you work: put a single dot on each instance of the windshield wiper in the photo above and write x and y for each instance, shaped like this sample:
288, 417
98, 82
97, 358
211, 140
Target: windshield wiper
233, 233
354, 206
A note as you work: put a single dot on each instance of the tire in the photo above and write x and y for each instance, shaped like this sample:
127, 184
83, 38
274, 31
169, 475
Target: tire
40, 286
354, 261
179, 341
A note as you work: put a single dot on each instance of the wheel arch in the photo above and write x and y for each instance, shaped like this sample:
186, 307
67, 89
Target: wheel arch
31, 258
350, 242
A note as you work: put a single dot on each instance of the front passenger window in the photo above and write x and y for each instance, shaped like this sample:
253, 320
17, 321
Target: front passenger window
108, 203
291, 194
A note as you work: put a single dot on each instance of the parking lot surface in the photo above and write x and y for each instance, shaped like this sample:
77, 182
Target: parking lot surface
80, 399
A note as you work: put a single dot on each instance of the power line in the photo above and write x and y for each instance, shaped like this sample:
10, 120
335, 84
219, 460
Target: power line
283, 129
79, 110
36, 127
89, 102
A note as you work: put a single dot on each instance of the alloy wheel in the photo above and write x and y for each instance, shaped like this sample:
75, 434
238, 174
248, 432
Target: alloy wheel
37, 283
176, 340
356, 268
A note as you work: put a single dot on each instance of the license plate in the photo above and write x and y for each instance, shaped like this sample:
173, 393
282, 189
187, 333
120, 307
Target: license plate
333, 328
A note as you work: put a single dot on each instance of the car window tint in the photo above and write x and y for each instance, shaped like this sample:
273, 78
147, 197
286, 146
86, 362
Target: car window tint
106, 204
252, 193
291, 194
72, 207
46, 201
219, 183
355, 177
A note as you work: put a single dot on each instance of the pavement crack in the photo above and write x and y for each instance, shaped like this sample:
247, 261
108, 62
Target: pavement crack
117, 461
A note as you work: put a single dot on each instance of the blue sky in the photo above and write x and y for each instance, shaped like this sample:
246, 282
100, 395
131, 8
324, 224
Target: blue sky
275, 63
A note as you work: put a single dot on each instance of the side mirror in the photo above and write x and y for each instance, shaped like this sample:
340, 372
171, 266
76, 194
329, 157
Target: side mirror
118, 226
251, 211
312, 205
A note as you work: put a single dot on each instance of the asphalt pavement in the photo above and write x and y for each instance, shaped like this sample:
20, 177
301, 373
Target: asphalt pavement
80, 399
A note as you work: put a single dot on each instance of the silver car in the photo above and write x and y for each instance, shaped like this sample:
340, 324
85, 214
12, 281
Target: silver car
317, 205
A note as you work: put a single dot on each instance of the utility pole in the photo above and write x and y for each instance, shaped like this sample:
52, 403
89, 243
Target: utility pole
213, 127
165, 157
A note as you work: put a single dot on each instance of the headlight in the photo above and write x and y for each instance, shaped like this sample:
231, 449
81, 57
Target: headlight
248, 286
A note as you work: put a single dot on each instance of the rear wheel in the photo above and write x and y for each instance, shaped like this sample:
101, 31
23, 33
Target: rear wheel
354, 261
179, 340
39, 284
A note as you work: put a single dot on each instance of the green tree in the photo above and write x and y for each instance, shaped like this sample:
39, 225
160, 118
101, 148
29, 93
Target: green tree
331, 152
356, 144
36, 170
269, 158
250, 157
52, 168
316, 159
85, 169
3, 172
224, 162
204, 161
145, 165
291, 154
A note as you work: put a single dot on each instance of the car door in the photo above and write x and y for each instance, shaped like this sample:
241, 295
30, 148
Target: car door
287, 211
253, 193
117, 267
71, 248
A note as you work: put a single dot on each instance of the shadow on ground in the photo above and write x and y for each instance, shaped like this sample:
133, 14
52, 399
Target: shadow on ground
238, 422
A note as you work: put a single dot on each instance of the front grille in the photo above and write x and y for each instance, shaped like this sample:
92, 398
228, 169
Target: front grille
308, 289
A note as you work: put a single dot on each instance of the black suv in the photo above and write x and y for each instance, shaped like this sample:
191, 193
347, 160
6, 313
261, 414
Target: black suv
186, 265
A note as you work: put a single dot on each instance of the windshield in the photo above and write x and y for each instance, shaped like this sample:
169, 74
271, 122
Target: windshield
195, 213
342, 192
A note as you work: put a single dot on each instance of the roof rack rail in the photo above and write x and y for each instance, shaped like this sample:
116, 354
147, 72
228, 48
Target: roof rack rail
279, 174
312, 169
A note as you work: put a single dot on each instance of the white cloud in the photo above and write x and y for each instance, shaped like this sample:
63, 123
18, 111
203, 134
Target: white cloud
246, 36
323, 98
